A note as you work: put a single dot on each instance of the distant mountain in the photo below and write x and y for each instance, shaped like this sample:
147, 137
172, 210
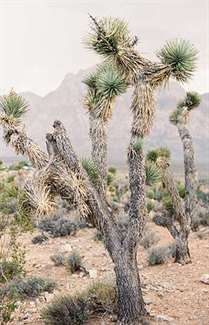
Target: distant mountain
65, 103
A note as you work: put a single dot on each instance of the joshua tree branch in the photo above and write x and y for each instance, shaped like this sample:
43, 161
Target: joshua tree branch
16, 136
98, 137
191, 202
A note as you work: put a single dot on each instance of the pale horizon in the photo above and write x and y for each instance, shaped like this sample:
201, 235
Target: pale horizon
42, 41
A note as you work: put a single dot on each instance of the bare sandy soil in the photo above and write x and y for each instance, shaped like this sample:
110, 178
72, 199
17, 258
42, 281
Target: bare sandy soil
170, 290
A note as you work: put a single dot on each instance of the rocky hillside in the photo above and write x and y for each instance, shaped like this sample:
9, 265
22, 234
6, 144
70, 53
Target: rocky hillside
65, 103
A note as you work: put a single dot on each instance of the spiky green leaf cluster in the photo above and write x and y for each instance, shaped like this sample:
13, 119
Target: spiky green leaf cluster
175, 115
109, 83
191, 100
108, 35
104, 86
153, 155
181, 56
152, 173
13, 105
91, 170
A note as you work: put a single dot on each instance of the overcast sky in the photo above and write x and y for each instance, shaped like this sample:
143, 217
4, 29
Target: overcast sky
42, 40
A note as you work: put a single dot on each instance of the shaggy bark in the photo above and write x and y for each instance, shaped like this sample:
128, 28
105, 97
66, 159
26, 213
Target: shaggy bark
180, 235
98, 136
191, 202
121, 245
131, 308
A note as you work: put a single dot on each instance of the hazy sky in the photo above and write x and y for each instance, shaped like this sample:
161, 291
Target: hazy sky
42, 40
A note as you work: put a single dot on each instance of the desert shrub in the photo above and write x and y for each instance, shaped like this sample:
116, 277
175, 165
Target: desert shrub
27, 288
167, 202
19, 165
12, 263
150, 206
101, 298
58, 259
181, 189
58, 226
149, 239
7, 307
150, 193
202, 196
75, 310
160, 254
39, 239
23, 215
112, 170
110, 178
8, 196
8, 270
73, 262
203, 218
66, 310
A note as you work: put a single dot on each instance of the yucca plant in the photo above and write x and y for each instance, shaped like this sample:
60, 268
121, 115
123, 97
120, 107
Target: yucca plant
152, 173
13, 105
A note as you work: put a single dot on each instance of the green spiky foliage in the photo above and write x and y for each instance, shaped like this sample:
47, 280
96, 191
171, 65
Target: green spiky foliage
175, 116
91, 170
104, 86
181, 56
111, 39
152, 173
13, 105
191, 100
108, 35
153, 155
110, 83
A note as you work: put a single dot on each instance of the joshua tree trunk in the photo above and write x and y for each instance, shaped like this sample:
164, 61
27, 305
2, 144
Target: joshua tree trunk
180, 235
131, 307
191, 202
98, 138
182, 249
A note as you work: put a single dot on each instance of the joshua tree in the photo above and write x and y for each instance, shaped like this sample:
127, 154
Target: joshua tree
177, 220
111, 38
180, 118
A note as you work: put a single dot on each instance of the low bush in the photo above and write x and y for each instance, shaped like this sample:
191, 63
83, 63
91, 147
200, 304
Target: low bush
74, 310
58, 226
18, 165
73, 262
58, 259
149, 239
39, 239
27, 288
160, 254
65, 310
8, 270
150, 206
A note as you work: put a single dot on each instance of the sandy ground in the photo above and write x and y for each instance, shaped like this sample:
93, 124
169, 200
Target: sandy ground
171, 290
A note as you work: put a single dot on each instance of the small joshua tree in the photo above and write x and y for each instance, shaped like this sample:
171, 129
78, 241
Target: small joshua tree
63, 173
176, 219
180, 118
